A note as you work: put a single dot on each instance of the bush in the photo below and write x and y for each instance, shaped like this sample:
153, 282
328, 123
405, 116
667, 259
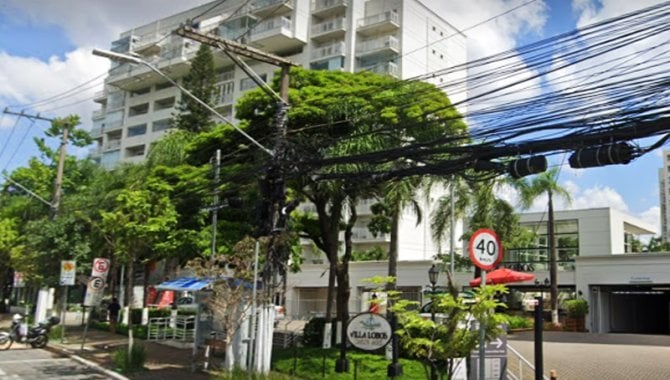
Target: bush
576, 308
130, 361
518, 322
140, 332
312, 334
55, 333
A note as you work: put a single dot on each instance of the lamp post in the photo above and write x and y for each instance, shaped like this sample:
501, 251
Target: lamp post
126, 58
433, 274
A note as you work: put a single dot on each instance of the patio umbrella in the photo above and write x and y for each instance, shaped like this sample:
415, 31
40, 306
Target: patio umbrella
503, 276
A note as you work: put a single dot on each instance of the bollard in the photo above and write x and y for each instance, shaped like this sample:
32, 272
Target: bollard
553, 375
323, 365
356, 369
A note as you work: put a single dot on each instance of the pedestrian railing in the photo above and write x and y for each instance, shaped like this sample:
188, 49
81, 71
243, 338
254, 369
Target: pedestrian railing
181, 327
518, 367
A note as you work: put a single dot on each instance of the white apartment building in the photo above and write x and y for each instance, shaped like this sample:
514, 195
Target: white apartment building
401, 38
627, 292
664, 195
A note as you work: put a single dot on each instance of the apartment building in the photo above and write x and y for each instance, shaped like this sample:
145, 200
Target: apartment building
400, 38
392, 37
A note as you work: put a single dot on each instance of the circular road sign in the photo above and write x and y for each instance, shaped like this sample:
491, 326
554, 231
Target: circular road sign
96, 283
485, 249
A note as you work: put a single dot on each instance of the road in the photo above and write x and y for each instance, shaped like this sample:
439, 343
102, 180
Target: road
20, 363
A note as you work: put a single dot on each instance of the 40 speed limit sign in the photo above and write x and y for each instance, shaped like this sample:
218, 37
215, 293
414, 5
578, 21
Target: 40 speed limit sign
485, 249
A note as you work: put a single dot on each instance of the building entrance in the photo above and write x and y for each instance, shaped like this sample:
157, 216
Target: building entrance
634, 309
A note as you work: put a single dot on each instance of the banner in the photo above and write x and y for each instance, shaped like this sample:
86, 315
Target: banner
68, 272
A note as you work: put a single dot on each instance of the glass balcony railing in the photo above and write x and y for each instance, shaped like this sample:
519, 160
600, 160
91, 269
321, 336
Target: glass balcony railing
386, 17
328, 51
328, 27
377, 44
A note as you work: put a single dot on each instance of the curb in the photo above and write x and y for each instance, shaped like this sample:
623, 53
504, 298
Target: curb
86, 362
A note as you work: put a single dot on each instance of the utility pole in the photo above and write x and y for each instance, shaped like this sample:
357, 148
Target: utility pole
58, 183
215, 210
276, 171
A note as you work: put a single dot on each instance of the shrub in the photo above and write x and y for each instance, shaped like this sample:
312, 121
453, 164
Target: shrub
577, 308
312, 335
130, 361
55, 332
518, 322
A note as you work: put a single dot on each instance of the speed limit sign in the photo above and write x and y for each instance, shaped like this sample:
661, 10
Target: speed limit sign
485, 249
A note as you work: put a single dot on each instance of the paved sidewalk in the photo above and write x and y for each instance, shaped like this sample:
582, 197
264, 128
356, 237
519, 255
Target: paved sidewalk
163, 362
577, 356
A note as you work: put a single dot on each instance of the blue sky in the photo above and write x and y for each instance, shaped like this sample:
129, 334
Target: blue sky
45, 50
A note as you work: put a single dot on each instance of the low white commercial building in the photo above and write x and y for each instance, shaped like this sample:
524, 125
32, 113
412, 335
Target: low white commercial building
627, 291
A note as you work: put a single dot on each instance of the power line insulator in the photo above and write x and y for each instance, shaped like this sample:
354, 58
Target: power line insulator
527, 166
619, 153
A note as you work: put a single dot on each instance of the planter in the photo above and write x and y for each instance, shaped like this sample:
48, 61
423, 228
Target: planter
576, 324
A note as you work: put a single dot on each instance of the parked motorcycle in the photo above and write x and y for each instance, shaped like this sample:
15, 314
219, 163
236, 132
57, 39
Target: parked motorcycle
36, 336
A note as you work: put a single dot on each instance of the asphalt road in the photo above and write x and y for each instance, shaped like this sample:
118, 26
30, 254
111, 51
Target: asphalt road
20, 363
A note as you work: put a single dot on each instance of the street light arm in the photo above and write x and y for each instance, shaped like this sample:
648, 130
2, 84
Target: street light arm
130, 59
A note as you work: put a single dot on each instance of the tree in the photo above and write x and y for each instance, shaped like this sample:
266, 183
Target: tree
656, 244
440, 342
193, 116
336, 114
476, 201
140, 224
546, 184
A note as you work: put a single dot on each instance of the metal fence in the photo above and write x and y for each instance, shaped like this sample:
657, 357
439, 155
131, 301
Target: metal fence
181, 328
518, 367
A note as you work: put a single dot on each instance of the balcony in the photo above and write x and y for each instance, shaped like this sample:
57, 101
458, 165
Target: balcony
326, 8
111, 145
100, 96
329, 30
276, 35
265, 8
384, 68
381, 23
329, 51
360, 235
98, 114
378, 47
173, 60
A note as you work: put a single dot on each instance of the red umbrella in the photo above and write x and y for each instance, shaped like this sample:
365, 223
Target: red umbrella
503, 276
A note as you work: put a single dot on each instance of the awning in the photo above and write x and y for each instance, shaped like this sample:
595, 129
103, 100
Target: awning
185, 284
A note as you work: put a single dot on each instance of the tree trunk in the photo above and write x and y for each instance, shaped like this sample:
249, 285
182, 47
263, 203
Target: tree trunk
553, 269
130, 277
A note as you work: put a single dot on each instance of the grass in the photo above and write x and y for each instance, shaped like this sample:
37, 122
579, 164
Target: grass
309, 364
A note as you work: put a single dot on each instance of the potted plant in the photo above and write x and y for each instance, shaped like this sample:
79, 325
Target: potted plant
577, 310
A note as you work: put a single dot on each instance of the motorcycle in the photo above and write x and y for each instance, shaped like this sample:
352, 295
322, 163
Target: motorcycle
36, 336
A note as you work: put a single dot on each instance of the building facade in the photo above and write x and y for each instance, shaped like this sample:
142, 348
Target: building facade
664, 195
400, 38
627, 291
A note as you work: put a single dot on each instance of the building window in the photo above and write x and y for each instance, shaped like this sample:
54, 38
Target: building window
330, 64
137, 130
140, 91
135, 151
160, 125
248, 83
163, 86
163, 104
139, 109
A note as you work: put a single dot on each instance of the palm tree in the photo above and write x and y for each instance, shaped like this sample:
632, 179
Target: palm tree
531, 189
477, 201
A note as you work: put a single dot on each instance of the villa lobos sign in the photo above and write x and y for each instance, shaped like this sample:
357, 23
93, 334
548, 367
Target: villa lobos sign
369, 331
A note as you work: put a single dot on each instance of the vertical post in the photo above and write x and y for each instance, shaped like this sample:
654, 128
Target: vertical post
539, 360
55, 201
252, 325
215, 210
452, 236
63, 314
433, 372
482, 337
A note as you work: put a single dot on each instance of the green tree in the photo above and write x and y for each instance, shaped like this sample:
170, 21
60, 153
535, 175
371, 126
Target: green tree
141, 224
193, 116
438, 343
530, 189
656, 244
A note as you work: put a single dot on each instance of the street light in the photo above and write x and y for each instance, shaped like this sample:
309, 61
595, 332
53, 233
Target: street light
125, 58
433, 274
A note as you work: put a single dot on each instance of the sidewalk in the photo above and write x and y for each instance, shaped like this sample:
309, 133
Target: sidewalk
163, 362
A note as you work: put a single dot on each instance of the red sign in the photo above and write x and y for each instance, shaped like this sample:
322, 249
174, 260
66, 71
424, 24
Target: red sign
100, 268
485, 249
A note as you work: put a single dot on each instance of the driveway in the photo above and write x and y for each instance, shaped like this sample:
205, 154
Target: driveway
577, 356
19, 363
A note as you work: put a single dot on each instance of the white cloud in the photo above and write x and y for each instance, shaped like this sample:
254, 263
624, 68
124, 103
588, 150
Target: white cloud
94, 23
30, 79
652, 216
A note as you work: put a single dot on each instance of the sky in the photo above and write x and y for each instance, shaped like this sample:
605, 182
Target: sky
45, 50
